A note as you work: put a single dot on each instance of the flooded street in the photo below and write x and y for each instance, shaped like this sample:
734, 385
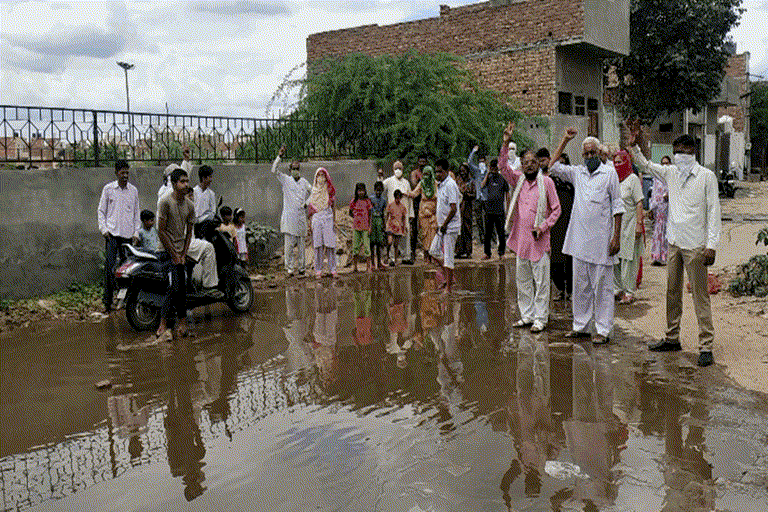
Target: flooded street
375, 392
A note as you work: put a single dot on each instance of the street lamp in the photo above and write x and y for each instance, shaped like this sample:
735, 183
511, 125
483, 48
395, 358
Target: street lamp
126, 66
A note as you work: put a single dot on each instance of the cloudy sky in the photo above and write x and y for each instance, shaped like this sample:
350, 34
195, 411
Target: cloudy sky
224, 57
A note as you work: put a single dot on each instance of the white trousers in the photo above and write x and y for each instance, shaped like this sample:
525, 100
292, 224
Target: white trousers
533, 289
592, 296
294, 261
206, 271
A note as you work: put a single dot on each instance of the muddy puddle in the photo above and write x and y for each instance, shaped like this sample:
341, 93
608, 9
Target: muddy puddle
373, 393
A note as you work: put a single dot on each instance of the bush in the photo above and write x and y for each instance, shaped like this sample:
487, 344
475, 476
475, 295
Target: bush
752, 278
262, 242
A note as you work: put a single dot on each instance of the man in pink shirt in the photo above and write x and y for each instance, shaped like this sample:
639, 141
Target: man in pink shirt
532, 211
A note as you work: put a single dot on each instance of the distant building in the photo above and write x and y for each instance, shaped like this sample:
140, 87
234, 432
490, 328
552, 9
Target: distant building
544, 55
721, 129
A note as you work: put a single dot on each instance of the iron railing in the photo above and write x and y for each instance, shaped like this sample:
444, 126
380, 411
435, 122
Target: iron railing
48, 136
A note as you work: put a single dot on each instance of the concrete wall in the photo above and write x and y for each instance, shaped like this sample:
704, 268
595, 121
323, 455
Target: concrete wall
49, 235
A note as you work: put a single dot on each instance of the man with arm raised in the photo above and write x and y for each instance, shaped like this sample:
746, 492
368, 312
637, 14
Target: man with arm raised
592, 238
693, 232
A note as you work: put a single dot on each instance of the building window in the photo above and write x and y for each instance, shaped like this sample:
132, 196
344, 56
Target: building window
579, 101
592, 104
564, 103
665, 127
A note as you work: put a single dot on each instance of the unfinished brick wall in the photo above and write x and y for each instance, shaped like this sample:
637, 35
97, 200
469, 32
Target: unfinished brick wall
511, 48
738, 69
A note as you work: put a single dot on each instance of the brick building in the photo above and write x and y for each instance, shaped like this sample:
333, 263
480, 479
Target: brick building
545, 55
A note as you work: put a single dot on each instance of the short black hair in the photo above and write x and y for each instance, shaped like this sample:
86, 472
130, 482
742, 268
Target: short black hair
442, 163
178, 173
146, 215
398, 194
204, 171
225, 210
685, 141
566, 160
120, 165
542, 153
494, 163
379, 185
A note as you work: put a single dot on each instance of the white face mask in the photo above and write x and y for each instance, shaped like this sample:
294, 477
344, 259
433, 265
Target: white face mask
482, 167
684, 162
398, 173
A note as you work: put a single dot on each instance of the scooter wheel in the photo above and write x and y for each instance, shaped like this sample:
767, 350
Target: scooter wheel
241, 297
142, 317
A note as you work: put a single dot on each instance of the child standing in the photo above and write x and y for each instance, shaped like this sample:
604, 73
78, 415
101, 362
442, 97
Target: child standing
320, 209
360, 211
240, 241
379, 203
147, 238
397, 215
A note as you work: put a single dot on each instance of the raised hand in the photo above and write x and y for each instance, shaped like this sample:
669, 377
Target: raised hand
570, 133
475, 148
281, 151
508, 131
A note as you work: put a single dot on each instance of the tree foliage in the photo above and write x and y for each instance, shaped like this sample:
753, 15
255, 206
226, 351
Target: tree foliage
758, 115
399, 107
677, 55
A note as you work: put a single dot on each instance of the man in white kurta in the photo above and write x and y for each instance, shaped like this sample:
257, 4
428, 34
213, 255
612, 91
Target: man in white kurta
592, 238
398, 182
293, 222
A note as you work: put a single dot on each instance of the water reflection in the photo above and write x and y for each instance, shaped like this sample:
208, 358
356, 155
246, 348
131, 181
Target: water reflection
381, 392
184, 443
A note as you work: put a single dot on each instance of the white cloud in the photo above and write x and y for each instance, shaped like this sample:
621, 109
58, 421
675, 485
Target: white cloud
223, 58
238, 7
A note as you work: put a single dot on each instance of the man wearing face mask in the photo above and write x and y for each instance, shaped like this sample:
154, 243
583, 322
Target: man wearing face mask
481, 195
293, 222
693, 232
398, 182
592, 238
533, 210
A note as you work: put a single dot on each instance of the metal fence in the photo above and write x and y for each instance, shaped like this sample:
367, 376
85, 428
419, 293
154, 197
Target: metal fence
46, 136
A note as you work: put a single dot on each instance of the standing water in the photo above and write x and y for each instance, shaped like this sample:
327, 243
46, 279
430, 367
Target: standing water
372, 393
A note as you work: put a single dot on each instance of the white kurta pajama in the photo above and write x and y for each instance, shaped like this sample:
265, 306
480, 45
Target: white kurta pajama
293, 221
597, 199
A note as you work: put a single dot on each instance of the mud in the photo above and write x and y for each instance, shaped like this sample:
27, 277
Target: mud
372, 393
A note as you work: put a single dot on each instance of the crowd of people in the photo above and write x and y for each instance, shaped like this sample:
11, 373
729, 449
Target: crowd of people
183, 215
579, 226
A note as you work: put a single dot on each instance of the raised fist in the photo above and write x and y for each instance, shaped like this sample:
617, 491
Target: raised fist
570, 133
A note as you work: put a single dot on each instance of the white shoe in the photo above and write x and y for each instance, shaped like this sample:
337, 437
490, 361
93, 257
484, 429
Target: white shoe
537, 326
290, 273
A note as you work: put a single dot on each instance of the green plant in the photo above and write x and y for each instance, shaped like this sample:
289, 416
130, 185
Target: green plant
397, 107
668, 73
752, 276
257, 234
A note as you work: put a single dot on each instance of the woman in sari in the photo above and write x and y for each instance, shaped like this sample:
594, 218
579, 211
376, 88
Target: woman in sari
427, 190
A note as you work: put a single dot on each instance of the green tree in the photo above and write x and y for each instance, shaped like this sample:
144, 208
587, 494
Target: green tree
758, 128
399, 107
677, 56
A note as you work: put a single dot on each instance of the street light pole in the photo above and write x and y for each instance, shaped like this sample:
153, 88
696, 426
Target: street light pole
126, 66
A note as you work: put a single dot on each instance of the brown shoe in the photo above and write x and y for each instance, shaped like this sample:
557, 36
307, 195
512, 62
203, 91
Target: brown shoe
577, 334
600, 339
